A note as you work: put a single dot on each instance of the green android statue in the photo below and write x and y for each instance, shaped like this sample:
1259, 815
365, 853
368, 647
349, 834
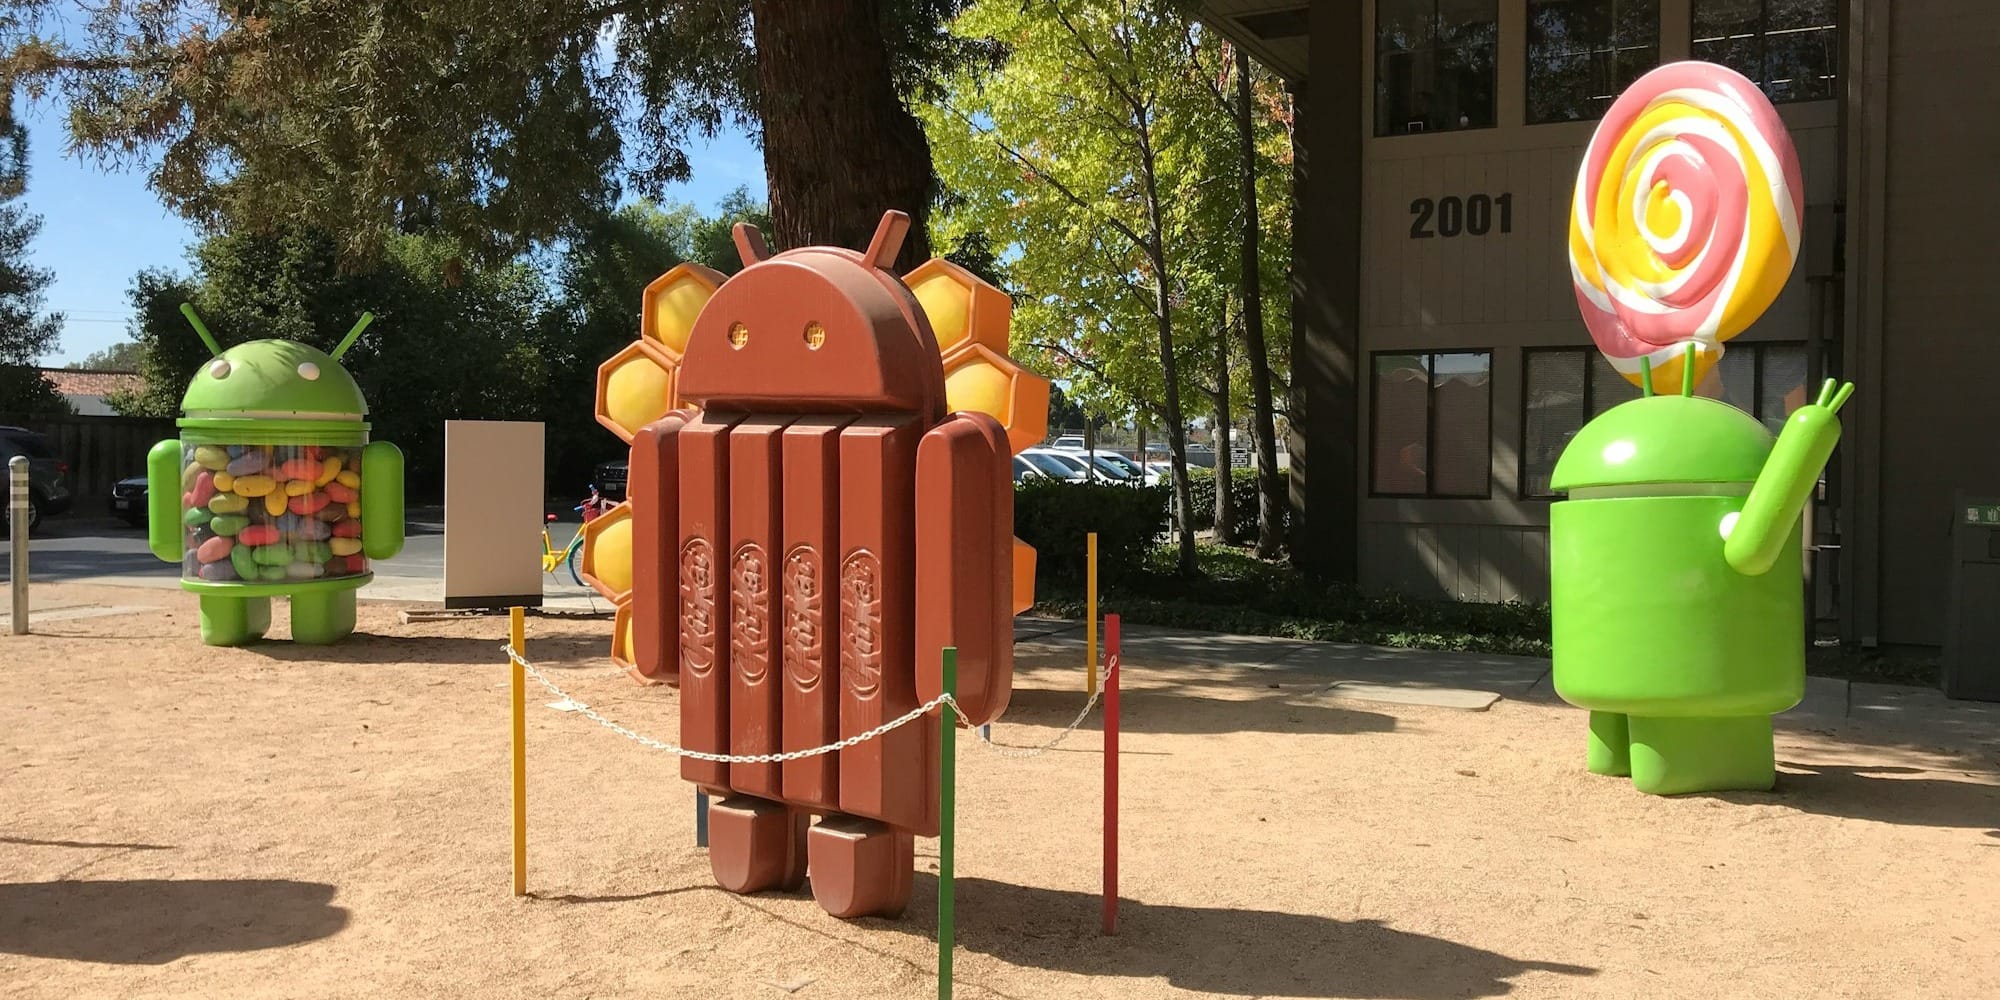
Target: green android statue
1676, 585
273, 489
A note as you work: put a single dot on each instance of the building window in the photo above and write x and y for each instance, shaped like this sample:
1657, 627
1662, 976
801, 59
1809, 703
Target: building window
1583, 53
1791, 48
1434, 65
1432, 425
1564, 388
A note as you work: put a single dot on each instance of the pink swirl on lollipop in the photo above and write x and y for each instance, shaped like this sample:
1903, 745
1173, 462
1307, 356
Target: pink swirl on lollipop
1685, 224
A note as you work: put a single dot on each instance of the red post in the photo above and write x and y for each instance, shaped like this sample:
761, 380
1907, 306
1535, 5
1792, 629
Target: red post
1110, 774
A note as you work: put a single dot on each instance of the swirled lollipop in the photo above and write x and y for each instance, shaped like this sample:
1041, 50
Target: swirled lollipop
1685, 224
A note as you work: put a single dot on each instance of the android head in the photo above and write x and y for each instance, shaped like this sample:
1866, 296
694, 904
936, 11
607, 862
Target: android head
273, 378
815, 329
1649, 617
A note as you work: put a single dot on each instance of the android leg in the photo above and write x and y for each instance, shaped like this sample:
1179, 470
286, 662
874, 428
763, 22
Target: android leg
860, 867
1671, 756
1610, 744
233, 621
320, 617
756, 844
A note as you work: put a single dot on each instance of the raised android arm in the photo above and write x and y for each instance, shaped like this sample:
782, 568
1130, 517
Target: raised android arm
163, 500
381, 500
1757, 540
965, 562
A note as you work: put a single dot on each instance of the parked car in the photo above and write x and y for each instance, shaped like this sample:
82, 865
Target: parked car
611, 478
1116, 465
1053, 464
1068, 442
48, 490
128, 501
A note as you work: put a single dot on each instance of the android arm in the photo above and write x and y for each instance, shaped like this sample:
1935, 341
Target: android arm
1757, 539
965, 562
653, 488
381, 500
163, 501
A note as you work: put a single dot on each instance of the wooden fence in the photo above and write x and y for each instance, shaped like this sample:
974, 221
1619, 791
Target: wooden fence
100, 450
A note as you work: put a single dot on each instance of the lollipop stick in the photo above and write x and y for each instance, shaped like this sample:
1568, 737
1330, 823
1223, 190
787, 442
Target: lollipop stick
1645, 375
1687, 372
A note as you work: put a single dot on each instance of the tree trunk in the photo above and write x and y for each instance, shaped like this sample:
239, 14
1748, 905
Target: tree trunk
839, 146
1272, 501
1225, 493
1184, 559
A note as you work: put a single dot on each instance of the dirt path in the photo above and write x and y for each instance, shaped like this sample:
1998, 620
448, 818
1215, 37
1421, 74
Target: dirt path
183, 822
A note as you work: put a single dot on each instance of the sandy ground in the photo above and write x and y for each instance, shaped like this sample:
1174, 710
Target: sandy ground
189, 822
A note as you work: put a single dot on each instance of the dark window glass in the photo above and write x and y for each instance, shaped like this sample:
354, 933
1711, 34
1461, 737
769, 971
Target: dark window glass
1434, 65
1767, 381
1583, 53
1432, 426
1791, 48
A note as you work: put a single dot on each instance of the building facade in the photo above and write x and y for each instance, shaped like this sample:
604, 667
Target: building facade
1440, 361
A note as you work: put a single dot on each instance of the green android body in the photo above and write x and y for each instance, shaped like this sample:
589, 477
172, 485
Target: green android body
274, 451
1676, 585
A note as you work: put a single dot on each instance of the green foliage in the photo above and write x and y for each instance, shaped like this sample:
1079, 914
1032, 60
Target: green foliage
1201, 486
501, 124
26, 332
713, 240
447, 341
124, 356
1241, 594
1055, 515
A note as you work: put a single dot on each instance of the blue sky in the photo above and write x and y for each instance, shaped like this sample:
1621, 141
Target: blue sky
100, 227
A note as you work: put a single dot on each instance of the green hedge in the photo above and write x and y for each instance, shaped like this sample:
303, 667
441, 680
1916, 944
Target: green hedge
1201, 486
1054, 515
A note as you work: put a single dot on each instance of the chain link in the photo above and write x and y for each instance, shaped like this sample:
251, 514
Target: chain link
774, 758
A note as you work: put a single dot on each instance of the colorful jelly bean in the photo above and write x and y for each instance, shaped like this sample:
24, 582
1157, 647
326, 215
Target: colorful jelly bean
209, 456
347, 529
248, 464
274, 504
328, 471
245, 561
218, 572
229, 503
342, 493
187, 476
349, 478
270, 574
311, 503
229, 525
345, 546
332, 512
272, 555
254, 486
214, 549
304, 571
257, 534
204, 489
298, 487
194, 516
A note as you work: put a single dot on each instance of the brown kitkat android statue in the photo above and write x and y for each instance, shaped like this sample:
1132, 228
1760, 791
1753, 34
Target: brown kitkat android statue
828, 508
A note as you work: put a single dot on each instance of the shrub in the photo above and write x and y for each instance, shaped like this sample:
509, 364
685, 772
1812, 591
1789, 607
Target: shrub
1201, 487
1054, 515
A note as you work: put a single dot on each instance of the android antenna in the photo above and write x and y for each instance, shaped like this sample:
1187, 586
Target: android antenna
1687, 371
187, 309
1645, 375
353, 335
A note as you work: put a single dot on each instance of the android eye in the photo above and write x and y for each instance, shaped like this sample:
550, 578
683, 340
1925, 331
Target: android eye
219, 368
738, 335
815, 335
308, 371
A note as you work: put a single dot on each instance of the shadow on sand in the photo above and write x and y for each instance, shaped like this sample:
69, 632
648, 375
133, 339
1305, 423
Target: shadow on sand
1872, 793
155, 921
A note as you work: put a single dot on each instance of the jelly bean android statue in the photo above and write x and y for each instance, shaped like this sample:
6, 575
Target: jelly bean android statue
1676, 585
273, 489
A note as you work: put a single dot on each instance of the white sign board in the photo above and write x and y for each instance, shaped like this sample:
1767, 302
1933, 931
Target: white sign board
492, 513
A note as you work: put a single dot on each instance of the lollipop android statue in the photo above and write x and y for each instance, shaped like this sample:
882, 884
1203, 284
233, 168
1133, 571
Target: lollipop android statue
273, 489
1676, 584
804, 546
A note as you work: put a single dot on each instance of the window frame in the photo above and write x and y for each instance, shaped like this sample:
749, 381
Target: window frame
1758, 350
1430, 422
1528, 70
1379, 123
1763, 36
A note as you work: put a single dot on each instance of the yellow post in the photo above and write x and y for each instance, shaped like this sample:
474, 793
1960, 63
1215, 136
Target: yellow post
1090, 611
517, 636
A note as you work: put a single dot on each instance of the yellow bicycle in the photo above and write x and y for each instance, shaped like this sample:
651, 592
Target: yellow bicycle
591, 508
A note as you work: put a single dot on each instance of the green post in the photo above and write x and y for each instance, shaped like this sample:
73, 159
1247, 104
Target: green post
947, 806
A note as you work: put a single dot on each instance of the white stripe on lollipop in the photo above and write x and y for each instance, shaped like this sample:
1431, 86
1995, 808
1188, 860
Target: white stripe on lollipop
1669, 135
1642, 204
1726, 106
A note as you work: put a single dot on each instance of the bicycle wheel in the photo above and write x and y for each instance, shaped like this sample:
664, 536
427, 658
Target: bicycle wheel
575, 553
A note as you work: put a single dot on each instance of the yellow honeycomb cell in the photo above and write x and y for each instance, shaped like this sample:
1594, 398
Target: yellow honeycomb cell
621, 638
961, 307
607, 552
671, 303
634, 388
979, 379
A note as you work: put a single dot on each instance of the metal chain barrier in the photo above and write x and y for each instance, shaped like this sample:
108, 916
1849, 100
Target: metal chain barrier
773, 758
